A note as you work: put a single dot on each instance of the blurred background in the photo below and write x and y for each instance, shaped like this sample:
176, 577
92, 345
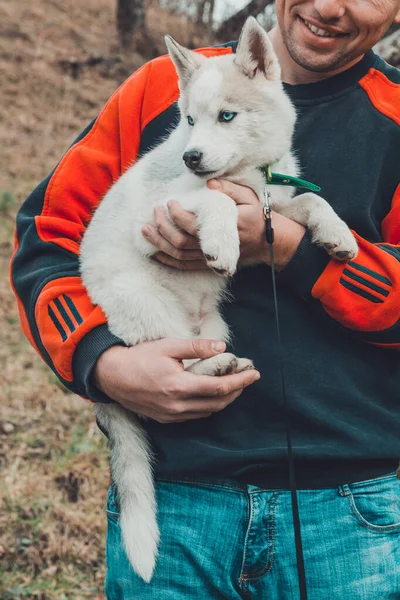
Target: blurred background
60, 60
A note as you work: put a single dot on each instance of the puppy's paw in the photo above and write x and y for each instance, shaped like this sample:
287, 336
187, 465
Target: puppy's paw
222, 364
244, 364
222, 258
337, 240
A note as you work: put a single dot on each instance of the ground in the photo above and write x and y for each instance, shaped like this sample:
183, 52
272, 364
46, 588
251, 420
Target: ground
59, 62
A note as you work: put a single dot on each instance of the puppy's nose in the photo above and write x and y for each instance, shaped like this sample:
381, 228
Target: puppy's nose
192, 159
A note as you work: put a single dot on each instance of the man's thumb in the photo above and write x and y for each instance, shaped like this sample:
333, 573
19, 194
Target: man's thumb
184, 349
240, 194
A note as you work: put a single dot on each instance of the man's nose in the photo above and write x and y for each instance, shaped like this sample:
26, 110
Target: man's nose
192, 159
330, 9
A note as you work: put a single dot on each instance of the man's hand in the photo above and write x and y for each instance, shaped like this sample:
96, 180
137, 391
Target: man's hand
150, 379
179, 247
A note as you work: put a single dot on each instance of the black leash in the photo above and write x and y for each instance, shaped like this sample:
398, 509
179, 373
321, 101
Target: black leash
269, 234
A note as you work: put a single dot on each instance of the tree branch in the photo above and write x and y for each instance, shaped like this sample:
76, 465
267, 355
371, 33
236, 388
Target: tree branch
231, 27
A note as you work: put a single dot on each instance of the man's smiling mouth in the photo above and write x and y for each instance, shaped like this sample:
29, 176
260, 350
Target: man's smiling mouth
320, 31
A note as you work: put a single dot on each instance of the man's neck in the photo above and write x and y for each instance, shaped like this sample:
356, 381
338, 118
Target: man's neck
292, 72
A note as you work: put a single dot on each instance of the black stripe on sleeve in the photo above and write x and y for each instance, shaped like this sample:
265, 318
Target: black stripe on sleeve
65, 315
391, 250
73, 309
57, 323
367, 271
366, 282
359, 291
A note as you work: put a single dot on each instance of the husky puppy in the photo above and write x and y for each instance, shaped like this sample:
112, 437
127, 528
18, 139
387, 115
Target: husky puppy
235, 118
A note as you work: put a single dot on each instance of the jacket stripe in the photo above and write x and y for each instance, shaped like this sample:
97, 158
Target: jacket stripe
57, 323
366, 282
367, 271
354, 303
360, 291
387, 336
64, 315
392, 250
391, 223
73, 309
395, 346
26, 327
383, 94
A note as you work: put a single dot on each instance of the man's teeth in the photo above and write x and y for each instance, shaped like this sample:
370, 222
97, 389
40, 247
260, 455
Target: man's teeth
317, 31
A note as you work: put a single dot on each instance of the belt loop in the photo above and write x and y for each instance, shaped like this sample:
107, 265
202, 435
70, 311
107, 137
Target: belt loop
344, 490
252, 488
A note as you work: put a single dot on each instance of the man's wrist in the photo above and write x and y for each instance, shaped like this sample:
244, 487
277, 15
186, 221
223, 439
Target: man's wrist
304, 269
286, 243
90, 348
105, 366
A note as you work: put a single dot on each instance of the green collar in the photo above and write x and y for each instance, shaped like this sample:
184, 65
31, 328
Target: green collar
279, 179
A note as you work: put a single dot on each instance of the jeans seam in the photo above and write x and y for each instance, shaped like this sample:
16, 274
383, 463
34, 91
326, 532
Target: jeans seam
364, 523
242, 577
369, 481
270, 541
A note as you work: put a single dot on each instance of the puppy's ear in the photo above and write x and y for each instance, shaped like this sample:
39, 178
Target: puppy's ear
185, 61
255, 52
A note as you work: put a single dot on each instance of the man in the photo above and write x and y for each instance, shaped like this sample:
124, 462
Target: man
223, 505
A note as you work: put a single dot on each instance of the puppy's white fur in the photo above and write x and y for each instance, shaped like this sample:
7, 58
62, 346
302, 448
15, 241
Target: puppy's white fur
144, 300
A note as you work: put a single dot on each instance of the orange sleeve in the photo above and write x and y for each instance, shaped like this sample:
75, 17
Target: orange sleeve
56, 313
364, 294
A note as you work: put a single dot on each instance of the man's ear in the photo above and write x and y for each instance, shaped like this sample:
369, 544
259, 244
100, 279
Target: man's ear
186, 61
397, 17
255, 52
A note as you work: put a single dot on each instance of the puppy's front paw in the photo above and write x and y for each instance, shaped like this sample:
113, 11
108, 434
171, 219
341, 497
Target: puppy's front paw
244, 364
337, 240
222, 255
222, 364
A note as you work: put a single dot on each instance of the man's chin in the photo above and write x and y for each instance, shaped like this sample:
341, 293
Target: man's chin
316, 61
318, 67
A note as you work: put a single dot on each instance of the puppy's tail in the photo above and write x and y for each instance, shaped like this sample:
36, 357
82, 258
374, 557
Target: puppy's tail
132, 474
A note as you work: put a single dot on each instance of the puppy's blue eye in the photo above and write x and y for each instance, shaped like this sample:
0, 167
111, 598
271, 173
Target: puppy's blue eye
225, 116
190, 121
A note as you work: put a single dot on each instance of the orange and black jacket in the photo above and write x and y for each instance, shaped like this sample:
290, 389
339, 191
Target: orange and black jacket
340, 322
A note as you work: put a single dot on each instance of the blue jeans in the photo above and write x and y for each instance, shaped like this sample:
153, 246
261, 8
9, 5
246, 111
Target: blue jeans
224, 540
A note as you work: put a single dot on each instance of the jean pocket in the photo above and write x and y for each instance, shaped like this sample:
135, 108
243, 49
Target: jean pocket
112, 510
375, 503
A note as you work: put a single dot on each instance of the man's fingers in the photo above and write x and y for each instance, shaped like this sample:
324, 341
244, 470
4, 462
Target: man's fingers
209, 404
187, 349
192, 385
182, 265
163, 245
182, 418
183, 218
197, 408
239, 193
178, 238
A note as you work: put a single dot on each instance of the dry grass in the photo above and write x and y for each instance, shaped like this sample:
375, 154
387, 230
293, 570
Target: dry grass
59, 62
53, 462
